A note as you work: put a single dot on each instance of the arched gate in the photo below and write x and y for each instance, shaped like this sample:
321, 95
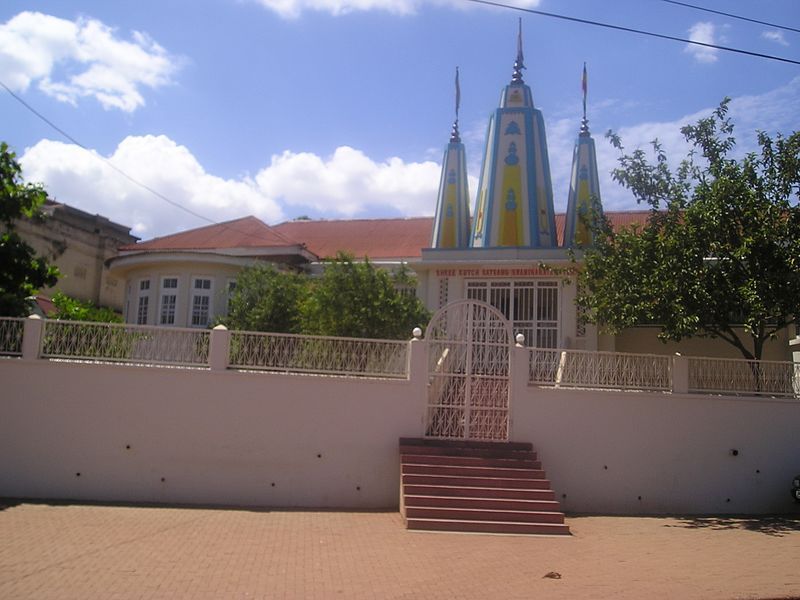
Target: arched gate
469, 345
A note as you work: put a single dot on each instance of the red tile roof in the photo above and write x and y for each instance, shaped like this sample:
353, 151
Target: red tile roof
248, 232
380, 239
375, 238
394, 238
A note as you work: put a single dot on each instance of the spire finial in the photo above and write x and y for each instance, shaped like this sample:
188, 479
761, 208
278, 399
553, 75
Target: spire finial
584, 87
519, 64
454, 136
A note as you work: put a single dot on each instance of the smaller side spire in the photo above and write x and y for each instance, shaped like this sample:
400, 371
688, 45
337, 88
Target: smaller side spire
584, 206
451, 224
519, 64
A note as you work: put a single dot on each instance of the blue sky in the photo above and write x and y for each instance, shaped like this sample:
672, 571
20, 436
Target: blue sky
341, 108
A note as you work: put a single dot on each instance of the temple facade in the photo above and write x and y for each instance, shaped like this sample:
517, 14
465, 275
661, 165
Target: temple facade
515, 258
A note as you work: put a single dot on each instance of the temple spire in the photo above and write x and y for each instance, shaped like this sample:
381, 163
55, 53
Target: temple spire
451, 224
519, 64
584, 207
514, 205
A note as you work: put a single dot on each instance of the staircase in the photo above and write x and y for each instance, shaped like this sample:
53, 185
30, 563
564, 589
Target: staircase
488, 487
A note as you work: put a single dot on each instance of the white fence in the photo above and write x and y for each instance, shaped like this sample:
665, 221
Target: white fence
751, 377
614, 370
118, 342
318, 354
11, 336
36, 338
220, 349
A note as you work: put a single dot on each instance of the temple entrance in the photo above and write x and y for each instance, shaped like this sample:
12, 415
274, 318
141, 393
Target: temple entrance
469, 345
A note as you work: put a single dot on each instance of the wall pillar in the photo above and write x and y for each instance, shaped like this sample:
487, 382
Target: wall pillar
518, 383
32, 337
680, 374
418, 377
219, 348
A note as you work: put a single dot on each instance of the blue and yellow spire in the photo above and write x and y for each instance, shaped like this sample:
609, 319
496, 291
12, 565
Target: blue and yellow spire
514, 206
451, 225
583, 204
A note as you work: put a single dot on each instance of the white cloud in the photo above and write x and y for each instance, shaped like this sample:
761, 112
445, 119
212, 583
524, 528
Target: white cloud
71, 175
775, 36
345, 184
349, 183
290, 9
703, 32
69, 60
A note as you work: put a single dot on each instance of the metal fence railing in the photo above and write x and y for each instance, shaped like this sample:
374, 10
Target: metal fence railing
117, 342
613, 370
744, 377
11, 336
318, 354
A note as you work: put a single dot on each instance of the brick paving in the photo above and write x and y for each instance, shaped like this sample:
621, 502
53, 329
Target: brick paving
79, 551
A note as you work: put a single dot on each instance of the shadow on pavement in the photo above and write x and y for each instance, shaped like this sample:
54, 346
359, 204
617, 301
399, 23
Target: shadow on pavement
769, 525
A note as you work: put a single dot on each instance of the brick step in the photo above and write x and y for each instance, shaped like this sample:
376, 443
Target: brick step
469, 461
482, 452
469, 471
477, 492
480, 482
477, 514
434, 443
489, 526
481, 503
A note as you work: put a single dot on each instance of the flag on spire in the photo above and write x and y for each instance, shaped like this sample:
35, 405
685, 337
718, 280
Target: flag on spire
458, 94
584, 87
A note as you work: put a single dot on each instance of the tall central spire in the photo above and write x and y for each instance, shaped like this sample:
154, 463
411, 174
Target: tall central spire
515, 195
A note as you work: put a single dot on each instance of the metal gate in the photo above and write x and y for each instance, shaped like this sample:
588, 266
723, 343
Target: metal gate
469, 345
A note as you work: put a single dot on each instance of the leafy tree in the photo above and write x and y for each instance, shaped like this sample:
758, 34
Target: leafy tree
266, 299
72, 309
356, 299
22, 272
719, 254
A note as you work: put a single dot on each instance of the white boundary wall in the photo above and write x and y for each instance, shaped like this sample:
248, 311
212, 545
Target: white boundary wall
214, 437
224, 437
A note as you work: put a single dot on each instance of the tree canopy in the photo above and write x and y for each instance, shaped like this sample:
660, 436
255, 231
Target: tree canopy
72, 309
349, 299
266, 299
356, 299
719, 254
22, 271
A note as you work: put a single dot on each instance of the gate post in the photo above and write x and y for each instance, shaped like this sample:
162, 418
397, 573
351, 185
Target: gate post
418, 378
519, 381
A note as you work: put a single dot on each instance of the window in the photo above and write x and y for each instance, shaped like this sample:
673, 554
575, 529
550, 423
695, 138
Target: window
200, 308
143, 304
169, 300
531, 306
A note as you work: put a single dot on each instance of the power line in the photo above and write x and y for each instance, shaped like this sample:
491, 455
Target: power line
719, 12
132, 179
104, 159
631, 30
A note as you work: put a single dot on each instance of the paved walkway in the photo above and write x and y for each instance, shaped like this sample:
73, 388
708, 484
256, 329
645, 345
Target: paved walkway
84, 551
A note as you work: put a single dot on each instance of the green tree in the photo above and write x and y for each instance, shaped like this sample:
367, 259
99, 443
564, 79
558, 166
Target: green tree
22, 271
719, 255
356, 299
72, 309
266, 299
